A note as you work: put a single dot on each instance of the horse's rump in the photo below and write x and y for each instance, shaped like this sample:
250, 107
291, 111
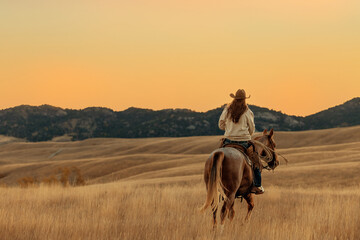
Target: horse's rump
230, 161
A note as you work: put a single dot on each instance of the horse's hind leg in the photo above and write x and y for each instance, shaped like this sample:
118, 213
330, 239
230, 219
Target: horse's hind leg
231, 212
214, 219
228, 203
250, 201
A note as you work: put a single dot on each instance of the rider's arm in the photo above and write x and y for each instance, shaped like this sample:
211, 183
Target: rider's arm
250, 121
222, 119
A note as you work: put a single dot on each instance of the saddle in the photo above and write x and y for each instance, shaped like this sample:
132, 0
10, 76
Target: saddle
240, 148
250, 155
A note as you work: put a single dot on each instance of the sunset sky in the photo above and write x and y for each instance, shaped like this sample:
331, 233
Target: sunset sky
298, 57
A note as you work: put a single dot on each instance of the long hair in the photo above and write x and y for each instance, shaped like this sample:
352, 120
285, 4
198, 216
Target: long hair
236, 109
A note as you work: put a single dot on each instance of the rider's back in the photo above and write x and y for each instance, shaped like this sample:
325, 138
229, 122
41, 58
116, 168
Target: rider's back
240, 131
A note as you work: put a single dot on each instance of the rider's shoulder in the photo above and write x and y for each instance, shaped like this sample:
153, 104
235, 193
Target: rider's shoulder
249, 111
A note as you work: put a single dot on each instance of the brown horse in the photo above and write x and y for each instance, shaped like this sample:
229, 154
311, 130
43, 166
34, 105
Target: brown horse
227, 172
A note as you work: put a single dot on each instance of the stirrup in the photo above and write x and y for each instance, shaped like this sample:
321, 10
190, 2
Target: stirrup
257, 190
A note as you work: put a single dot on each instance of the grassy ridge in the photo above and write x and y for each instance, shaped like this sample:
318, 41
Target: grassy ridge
108, 160
152, 189
125, 211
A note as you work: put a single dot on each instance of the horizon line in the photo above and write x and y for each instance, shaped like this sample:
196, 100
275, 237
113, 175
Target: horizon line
80, 109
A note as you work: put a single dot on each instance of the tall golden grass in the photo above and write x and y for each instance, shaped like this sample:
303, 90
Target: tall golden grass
153, 189
67, 177
129, 211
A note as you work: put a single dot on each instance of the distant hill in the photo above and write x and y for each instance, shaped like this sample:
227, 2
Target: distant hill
344, 115
42, 123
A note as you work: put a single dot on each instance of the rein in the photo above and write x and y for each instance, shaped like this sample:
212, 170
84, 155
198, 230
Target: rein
269, 156
267, 150
279, 155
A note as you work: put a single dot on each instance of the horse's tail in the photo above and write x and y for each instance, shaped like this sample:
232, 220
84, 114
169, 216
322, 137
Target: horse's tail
214, 184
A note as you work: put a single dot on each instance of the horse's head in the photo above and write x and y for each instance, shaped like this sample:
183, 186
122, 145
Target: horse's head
268, 140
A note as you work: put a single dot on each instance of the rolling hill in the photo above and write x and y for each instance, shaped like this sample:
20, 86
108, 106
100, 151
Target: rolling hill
336, 151
152, 188
45, 122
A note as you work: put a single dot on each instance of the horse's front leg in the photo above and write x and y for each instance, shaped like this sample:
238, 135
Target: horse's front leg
250, 201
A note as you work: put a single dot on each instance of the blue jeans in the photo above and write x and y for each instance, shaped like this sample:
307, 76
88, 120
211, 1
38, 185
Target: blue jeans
245, 144
257, 177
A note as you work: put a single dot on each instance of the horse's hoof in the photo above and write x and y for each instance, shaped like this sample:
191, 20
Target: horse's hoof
221, 228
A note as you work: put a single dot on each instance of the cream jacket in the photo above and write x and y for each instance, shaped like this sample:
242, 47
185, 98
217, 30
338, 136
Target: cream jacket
240, 131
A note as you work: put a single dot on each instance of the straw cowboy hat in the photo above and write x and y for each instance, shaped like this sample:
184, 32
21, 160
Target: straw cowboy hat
240, 94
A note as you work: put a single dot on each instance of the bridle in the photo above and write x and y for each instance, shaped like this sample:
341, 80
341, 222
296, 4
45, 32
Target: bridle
271, 149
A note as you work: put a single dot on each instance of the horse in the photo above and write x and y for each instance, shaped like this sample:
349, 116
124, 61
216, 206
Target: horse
227, 172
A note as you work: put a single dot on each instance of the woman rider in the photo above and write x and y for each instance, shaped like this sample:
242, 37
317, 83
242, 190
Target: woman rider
238, 122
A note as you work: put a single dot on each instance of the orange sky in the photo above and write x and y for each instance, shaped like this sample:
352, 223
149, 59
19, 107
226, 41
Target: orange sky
299, 57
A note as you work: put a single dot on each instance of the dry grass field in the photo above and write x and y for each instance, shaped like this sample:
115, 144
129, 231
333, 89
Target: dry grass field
152, 189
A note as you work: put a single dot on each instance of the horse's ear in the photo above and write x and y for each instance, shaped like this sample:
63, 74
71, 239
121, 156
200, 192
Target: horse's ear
271, 132
265, 131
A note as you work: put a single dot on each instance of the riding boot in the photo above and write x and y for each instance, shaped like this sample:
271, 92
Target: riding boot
257, 188
257, 167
